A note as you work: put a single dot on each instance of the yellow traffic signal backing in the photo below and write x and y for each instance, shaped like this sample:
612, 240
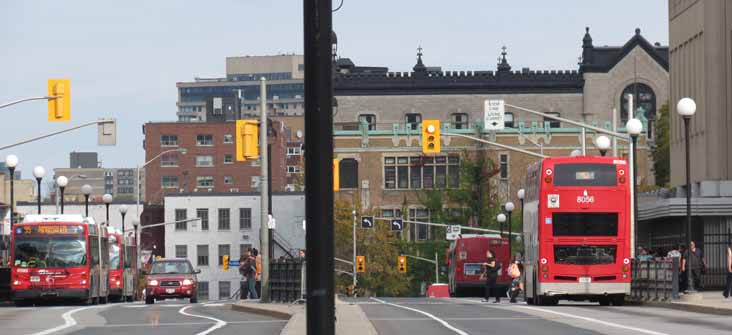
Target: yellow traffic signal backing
360, 264
431, 136
336, 175
225, 261
402, 264
59, 107
247, 140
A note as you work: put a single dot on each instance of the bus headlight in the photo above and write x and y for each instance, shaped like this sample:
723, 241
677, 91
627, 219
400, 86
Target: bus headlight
626, 261
543, 261
187, 282
153, 282
16, 282
117, 282
83, 282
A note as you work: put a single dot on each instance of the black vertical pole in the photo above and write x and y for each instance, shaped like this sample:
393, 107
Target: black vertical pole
123, 224
634, 141
319, 167
38, 180
62, 198
107, 214
689, 277
510, 252
86, 204
269, 196
12, 197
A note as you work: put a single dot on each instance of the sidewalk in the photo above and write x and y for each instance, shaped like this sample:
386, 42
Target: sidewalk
350, 318
712, 302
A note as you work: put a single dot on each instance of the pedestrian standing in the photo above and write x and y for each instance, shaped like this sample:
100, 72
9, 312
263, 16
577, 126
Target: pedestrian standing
248, 268
697, 266
683, 278
490, 272
258, 259
243, 287
514, 271
728, 279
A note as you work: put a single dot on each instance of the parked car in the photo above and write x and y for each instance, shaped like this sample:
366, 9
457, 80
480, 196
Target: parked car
171, 278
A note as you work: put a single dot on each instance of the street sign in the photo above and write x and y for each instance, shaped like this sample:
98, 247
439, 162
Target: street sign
397, 225
367, 222
234, 263
271, 222
494, 111
452, 232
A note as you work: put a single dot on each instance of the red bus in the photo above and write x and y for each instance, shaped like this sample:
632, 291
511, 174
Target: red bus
465, 259
122, 265
577, 230
59, 257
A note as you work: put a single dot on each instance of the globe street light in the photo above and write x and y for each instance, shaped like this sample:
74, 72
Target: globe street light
575, 153
62, 182
107, 199
686, 108
87, 190
39, 172
602, 143
509, 208
11, 161
634, 128
501, 219
123, 211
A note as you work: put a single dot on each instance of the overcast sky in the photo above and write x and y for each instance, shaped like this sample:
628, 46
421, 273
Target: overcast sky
124, 57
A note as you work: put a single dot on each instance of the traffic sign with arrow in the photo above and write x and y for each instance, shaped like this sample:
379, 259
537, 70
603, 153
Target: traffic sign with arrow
367, 222
397, 225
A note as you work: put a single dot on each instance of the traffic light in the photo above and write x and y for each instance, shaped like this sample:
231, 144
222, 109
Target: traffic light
402, 266
247, 140
336, 175
360, 264
225, 261
59, 108
431, 136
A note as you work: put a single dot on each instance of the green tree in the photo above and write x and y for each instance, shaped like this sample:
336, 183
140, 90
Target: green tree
662, 150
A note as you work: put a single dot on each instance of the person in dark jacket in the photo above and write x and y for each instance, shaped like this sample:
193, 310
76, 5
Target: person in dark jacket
248, 269
490, 272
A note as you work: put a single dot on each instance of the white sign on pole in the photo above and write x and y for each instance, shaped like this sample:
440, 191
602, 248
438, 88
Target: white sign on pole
271, 223
452, 232
494, 111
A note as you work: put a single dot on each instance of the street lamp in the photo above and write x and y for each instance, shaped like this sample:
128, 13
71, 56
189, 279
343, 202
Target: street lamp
509, 208
686, 108
107, 199
39, 172
87, 190
501, 219
602, 143
137, 177
11, 161
634, 128
123, 211
521, 194
62, 182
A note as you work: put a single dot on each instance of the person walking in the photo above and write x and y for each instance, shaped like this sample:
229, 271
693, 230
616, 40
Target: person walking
698, 264
243, 287
683, 278
728, 279
490, 272
514, 271
248, 268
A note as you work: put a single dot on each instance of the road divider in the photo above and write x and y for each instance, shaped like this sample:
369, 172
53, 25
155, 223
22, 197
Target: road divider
69, 320
440, 321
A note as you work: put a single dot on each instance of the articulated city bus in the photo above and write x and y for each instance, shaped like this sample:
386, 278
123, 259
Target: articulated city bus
465, 259
577, 230
122, 265
59, 257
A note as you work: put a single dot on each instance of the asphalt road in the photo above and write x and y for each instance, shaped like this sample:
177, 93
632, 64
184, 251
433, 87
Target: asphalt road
167, 317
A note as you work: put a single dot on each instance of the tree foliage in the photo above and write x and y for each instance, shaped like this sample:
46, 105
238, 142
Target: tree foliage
662, 150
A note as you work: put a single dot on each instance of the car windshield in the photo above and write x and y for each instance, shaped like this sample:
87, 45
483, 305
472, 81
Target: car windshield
49, 251
171, 267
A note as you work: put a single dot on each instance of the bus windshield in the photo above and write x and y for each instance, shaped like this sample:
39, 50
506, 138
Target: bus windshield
113, 255
585, 175
584, 254
49, 251
585, 224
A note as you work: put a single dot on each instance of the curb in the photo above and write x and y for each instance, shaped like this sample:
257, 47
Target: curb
691, 308
253, 309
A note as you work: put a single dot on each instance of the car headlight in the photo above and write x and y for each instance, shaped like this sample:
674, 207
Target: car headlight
187, 282
153, 282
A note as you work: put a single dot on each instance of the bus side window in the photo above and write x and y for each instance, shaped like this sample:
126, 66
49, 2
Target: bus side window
105, 252
94, 250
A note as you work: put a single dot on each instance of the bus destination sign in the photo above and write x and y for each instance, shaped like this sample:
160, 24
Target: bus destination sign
49, 230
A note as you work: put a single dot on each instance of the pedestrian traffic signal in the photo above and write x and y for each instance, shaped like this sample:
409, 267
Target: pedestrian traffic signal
247, 140
360, 264
59, 101
336, 175
225, 261
431, 136
402, 264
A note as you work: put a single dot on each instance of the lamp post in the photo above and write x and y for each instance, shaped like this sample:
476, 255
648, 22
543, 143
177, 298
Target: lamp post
11, 161
87, 190
137, 177
509, 208
501, 219
62, 182
107, 199
521, 194
123, 211
686, 108
602, 143
39, 172
634, 128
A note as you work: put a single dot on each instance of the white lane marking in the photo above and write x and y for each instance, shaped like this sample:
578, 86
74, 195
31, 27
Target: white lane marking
605, 323
213, 305
442, 322
68, 320
219, 323
134, 306
177, 324
171, 305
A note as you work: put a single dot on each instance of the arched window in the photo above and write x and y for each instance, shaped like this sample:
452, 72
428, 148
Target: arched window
644, 101
348, 173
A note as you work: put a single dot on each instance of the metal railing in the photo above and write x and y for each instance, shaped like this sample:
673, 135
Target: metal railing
287, 280
655, 279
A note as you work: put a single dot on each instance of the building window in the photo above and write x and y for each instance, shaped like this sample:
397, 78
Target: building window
169, 140
228, 159
217, 106
552, 123
202, 213
245, 218
203, 290
181, 251
204, 140
413, 120
228, 138
418, 172
204, 161
181, 215
294, 151
508, 120
228, 180
460, 120
169, 181
419, 232
224, 219
369, 119
224, 290
293, 169
204, 181
348, 173
224, 250
169, 159
504, 166
644, 102
202, 254
391, 213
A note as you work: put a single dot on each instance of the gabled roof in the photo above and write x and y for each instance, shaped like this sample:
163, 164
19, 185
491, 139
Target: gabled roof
602, 59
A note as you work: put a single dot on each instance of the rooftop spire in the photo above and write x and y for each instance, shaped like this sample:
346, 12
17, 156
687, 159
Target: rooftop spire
419, 67
502, 62
587, 40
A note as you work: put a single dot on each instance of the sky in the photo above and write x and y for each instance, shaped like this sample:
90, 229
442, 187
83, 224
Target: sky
124, 57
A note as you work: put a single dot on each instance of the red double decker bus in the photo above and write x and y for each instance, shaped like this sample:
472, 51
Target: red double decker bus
122, 265
465, 259
577, 230
59, 257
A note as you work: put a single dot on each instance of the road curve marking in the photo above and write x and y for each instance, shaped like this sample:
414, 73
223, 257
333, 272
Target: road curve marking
442, 322
214, 305
219, 323
68, 320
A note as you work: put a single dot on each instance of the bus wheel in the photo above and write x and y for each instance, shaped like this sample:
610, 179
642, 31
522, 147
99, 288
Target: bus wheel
103, 300
149, 300
95, 301
529, 300
619, 300
129, 298
23, 303
604, 301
